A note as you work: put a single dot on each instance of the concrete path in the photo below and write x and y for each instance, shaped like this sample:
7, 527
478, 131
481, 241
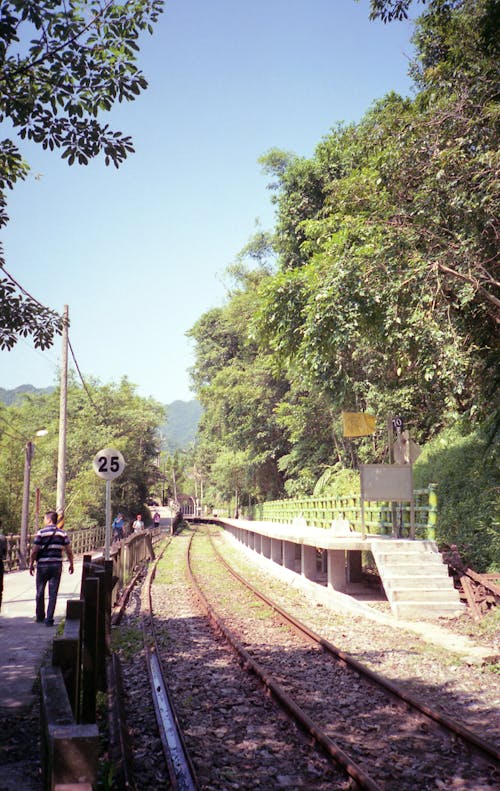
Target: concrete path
23, 642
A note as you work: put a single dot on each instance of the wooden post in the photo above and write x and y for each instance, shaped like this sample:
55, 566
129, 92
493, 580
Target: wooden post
66, 653
100, 573
89, 663
108, 594
87, 560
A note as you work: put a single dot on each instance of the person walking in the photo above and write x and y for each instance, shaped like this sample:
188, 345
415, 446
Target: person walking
47, 552
138, 525
118, 523
3, 555
156, 519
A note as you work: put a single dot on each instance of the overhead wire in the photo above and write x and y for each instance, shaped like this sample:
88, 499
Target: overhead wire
43, 354
6, 434
30, 296
85, 387
13, 428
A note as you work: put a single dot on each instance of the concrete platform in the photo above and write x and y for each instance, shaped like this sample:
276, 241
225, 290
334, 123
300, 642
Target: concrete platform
23, 642
415, 579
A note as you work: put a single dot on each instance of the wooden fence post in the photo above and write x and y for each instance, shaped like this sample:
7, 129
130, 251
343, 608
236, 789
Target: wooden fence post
66, 653
89, 649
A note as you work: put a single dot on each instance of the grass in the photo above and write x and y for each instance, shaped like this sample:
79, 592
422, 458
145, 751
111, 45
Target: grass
127, 640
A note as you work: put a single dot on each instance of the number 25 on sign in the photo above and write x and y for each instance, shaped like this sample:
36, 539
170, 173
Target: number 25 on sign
108, 463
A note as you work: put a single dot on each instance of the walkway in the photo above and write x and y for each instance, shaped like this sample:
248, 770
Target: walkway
23, 642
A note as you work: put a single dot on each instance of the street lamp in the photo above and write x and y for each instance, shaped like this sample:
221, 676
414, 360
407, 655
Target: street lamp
23, 538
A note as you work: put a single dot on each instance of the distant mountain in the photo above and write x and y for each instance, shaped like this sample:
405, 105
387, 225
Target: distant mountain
179, 430
9, 397
182, 423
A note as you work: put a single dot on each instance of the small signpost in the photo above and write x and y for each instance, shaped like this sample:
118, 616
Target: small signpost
108, 464
391, 482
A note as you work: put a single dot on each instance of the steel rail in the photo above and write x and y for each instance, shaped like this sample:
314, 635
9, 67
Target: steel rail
331, 749
489, 750
181, 771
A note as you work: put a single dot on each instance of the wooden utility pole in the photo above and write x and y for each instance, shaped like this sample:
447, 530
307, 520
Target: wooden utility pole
63, 401
23, 537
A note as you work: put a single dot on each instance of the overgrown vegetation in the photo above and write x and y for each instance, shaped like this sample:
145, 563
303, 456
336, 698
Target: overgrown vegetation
62, 65
463, 461
375, 291
113, 416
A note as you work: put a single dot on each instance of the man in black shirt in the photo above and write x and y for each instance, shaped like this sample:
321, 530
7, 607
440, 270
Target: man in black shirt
48, 546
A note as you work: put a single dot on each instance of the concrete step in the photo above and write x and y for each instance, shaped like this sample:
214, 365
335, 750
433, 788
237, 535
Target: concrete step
407, 570
416, 609
425, 595
407, 545
416, 580
410, 582
427, 559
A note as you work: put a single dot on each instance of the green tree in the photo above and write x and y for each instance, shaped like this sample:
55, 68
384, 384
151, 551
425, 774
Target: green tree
386, 296
231, 470
237, 388
115, 417
382, 294
62, 64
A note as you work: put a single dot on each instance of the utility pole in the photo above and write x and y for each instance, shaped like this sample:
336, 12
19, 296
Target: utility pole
23, 538
61, 453
173, 479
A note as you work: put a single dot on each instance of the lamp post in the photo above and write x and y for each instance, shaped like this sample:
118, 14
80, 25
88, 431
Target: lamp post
23, 537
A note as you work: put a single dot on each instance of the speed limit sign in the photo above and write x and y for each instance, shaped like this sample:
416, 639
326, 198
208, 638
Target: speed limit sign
108, 463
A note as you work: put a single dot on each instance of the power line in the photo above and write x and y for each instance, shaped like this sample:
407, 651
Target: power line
6, 434
43, 354
25, 439
83, 382
26, 293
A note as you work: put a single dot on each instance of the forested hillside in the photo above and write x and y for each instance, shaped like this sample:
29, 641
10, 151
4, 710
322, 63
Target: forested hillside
9, 397
97, 417
377, 289
179, 431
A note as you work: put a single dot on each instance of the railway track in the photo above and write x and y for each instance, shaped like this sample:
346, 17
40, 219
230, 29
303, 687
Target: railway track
374, 734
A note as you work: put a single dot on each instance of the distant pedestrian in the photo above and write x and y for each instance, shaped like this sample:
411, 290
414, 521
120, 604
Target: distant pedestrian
138, 524
48, 546
118, 523
3, 555
156, 519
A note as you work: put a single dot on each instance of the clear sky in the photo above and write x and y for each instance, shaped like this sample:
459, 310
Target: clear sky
139, 253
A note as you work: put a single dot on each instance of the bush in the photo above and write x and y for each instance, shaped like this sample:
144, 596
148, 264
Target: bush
337, 483
463, 462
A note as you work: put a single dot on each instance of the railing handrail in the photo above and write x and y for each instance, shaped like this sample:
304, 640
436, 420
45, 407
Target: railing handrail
321, 510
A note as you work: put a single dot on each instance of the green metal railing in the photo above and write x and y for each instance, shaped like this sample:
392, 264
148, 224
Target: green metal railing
321, 511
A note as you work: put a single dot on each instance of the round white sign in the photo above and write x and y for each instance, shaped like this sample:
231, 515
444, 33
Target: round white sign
108, 463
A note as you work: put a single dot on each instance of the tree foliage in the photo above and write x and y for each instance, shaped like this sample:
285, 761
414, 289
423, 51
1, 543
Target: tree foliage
114, 417
381, 287
62, 64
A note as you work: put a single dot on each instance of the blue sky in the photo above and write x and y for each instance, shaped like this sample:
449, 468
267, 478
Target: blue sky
139, 253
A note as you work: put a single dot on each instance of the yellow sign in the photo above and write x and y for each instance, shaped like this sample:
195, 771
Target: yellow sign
358, 424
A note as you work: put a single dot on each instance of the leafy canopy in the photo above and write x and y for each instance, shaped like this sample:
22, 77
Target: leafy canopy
61, 65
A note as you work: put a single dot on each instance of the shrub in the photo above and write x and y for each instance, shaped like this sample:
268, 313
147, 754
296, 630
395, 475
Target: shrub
463, 462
